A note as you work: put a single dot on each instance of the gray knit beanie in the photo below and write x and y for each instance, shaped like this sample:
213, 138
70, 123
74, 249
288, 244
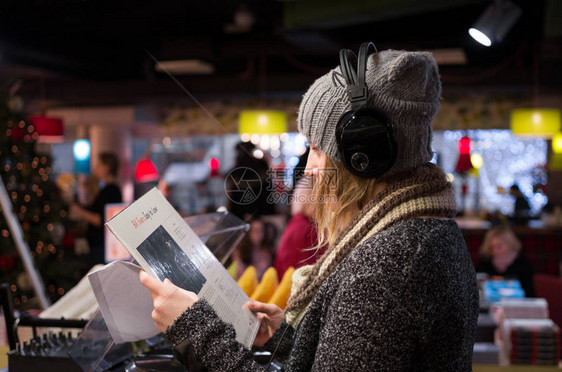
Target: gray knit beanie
404, 86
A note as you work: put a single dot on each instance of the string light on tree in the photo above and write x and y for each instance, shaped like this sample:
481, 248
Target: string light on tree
39, 207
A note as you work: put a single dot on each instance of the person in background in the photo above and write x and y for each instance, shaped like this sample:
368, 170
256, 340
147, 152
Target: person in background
248, 184
298, 244
521, 210
167, 191
501, 254
88, 188
105, 170
256, 248
396, 289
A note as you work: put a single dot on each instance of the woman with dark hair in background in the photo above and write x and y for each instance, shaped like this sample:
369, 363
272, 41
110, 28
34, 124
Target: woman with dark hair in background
248, 184
256, 248
105, 170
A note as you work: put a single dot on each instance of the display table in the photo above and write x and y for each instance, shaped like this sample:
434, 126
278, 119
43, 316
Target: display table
487, 368
94, 349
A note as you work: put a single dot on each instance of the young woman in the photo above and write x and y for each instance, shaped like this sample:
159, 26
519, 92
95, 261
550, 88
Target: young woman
396, 289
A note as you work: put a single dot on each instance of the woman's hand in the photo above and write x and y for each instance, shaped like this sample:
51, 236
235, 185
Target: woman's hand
78, 213
169, 300
270, 317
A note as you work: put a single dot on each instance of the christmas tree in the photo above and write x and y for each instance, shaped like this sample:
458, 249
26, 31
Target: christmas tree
40, 209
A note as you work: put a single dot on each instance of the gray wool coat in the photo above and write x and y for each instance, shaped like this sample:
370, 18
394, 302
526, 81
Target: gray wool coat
404, 300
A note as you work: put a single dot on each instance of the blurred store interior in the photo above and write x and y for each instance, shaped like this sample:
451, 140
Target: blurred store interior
172, 87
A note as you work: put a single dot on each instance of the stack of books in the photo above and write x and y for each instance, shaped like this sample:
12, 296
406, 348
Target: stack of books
525, 334
495, 290
519, 308
530, 341
485, 353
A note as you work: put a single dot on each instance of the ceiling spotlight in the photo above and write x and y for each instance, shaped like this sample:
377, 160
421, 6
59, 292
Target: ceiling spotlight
495, 22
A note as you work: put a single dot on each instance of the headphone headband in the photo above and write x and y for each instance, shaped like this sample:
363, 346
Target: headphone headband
355, 78
364, 51
347, 70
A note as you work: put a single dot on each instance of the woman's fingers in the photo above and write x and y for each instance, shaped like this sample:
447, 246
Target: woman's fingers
156, 287
150, 282
169, 300
261, 307
270, 317
261, 316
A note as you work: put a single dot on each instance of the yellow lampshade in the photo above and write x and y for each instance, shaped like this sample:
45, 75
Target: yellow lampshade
262, 122
557, 143
536, 122
555, 162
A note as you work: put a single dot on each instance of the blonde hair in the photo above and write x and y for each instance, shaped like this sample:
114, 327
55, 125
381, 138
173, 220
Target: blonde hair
507, 235
343, 194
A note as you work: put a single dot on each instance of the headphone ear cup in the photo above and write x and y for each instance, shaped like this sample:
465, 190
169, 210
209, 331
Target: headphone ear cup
366, 143
344, 120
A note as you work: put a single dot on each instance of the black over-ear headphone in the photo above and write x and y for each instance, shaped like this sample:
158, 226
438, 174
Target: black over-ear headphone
365, 138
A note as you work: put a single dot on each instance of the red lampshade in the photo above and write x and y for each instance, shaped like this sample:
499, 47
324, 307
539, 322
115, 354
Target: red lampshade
214, 164
464, 146
145, 171
464, 163
49, 129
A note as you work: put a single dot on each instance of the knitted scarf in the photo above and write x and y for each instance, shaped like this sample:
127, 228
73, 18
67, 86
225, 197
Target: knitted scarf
425, 192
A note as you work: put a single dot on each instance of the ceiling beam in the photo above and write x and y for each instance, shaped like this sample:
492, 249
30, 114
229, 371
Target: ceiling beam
326, 14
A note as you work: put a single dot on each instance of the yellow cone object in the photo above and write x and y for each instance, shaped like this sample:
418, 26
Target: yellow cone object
233, 269
248, 280
283, 291
267, 286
